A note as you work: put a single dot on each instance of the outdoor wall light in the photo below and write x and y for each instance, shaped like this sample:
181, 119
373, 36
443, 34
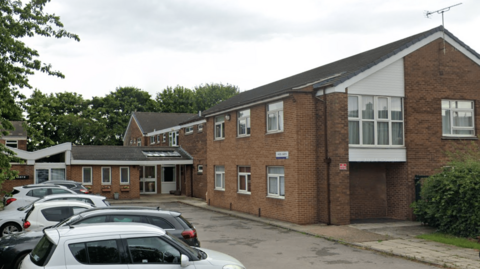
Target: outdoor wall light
227, 117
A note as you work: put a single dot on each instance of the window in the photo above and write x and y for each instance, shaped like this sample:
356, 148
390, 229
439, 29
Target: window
38, 193
97, 252
162, 223
11, 143
87, 175
200, 169
41, 253
164, 138
220, 127
59, 191
189, 130
98, 219
126, 218
106, 176
243, 123
57, 213
244, 179
220, 177
131, 141
375, 121
457, 118
200, 127
158, 139
139, 142
152, 250
276, 181
275, 117
124, 175
152, 139
173, 139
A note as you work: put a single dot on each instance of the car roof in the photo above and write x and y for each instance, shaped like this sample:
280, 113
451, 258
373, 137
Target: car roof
61, 181
74, 195
60, 203
104, 229
135, 210
32, 186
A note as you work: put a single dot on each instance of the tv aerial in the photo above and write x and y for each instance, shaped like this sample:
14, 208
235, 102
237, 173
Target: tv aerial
441, 11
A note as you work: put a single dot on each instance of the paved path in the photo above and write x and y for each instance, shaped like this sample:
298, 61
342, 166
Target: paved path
394, 238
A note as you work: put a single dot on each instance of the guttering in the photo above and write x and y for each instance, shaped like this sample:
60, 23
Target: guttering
109, 162
175, 128
248, 105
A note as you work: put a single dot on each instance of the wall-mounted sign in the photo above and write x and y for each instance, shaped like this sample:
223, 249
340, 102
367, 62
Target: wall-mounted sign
22, 177
281, 154
343, 166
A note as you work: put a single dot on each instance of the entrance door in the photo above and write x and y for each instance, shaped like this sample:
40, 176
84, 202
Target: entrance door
148, 180
169, 182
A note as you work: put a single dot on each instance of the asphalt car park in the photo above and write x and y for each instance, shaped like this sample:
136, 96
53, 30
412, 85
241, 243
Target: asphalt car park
259, 245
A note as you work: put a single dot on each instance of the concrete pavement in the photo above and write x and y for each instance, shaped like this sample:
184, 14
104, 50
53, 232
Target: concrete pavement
395, 238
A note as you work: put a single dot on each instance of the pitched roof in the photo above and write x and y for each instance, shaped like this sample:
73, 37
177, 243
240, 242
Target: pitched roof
122, 153
19, 130
330, 74
151, 121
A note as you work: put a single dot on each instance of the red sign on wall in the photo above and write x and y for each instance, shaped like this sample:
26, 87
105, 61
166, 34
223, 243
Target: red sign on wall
343, 166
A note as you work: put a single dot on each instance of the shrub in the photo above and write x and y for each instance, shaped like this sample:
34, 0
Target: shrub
450, 199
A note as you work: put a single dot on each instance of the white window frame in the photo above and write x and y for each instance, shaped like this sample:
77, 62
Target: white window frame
200, 168
164, 138
220, 187
248, 177
221, 123
278, 178
139, 142
377, 120
158, 139
173, 139
152, 140
189, 130
83, 175
243, 116
200, 127
109, 175
453, 110
9, 143
279, 116
128, 176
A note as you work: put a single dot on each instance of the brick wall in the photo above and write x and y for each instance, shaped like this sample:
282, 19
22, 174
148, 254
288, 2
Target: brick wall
23, 169
134, 132
22, 144
368, 190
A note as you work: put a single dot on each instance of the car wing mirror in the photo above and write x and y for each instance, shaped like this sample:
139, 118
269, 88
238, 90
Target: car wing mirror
184, 260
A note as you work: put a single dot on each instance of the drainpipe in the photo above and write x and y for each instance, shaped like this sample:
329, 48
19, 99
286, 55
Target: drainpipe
191, 181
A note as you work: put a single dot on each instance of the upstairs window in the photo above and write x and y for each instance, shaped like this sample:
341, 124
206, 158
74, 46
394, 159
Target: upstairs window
200, 127
139, 142
152, 139
375, 121
220, 177
11, 143
457, 118
164, 138
220, 127
275, 117
189, 130
173, 139
243, 123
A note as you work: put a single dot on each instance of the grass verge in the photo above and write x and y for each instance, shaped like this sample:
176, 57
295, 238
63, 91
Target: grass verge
451, 240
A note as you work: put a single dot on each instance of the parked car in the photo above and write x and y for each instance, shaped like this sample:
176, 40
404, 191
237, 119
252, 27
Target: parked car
11, 221
47, 214
69, 184
21, 244
24, 195
124, 245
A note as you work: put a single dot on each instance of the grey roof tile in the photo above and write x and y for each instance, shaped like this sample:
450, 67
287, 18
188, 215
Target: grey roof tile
151, 121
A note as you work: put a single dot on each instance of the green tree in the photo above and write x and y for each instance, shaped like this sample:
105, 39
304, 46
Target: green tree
114, 111
17, 61
209, 95
176, 100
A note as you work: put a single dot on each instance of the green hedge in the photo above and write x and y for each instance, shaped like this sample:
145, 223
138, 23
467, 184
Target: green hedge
450, 200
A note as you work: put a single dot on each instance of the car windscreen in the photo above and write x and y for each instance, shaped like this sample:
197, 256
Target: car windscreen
41, 253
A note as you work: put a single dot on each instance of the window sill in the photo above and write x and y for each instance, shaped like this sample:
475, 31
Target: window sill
243, 136
219, 189
376, 147
459, 138
188, 133
87, 184
276, 197
125, 184
244, 192
274, 132
219, 139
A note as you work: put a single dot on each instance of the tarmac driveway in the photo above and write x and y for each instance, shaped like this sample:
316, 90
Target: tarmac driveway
259, 245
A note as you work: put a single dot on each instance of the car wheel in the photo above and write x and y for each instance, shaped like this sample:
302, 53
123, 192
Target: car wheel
19, 260
10, 228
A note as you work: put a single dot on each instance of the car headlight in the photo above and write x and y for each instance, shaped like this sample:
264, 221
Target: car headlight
233, 266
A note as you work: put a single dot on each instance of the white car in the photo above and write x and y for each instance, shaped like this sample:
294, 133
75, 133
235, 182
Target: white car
11, 221
47, 214
24, 195
123, 246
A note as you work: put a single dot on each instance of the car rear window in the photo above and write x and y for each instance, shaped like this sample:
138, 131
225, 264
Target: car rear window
15, 191
106, 202
38, 193
181, 219
42, 252
56, 213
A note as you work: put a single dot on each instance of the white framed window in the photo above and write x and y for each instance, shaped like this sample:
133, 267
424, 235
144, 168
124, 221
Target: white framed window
219, 177
164, 138
124, 175
173, 138
139, 142
220, 127
243, 123
189, 130
275, 117
458, 118
200, 169
244, 179
375, 121
11, 143
106, 176
49, 171
87, 175
276, 181
131, 141
152, 139
158, 138
200, 128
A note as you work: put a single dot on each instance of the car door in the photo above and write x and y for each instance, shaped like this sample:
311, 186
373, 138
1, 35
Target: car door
152, 252
98, 252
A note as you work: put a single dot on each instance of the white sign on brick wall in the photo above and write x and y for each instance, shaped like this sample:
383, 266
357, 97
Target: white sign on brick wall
282, 154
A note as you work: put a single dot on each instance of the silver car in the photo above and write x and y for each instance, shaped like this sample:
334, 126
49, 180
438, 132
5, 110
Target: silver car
24, 195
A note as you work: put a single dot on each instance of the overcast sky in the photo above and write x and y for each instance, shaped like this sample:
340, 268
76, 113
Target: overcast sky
152, 44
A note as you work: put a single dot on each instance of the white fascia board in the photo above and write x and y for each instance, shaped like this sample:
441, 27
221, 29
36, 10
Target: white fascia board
35, 155
342, 86
176, 128
146, 163
13, 138
249, 105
